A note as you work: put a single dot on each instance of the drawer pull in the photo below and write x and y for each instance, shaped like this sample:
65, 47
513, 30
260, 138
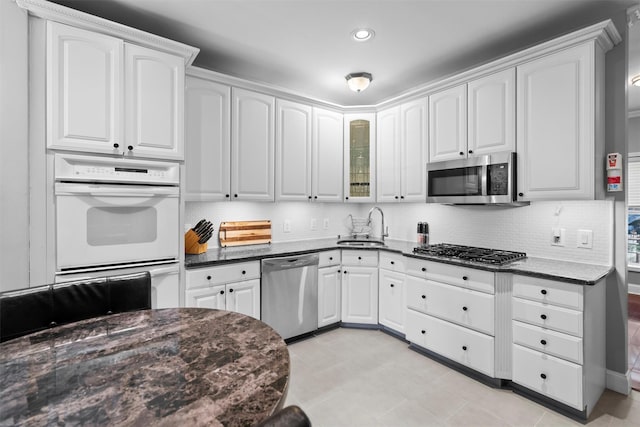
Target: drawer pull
543, 342
543, 376
221, 292
464, 277
208, 277
424, 269
464, 347
424, 297
543, 316
345, 272
359, 257
244, 272
330, 258
423, 332
392, 262
543, 292
392, 285
464, 308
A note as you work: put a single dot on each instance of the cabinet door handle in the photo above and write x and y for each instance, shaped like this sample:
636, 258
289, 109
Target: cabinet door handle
226, 195
423, 269
464, 277
543, 342
396, 197
462, 153
347, 198
359, 258
345, 272
464, 308
330, 258
221, 292
315, 197
423, 332
392, 285
464, 347
543, 376
235, 195
244, 272
543, 292
424, 297
543, 316
309, 197
230, 290
208, 277
470, 151
392, 262
116, 145
521, 194
402, 197
130, 147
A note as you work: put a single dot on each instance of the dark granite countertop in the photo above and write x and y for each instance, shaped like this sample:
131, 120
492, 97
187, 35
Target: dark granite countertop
156, 367
574, 272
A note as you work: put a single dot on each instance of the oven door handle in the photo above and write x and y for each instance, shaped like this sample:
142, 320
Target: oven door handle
93, 190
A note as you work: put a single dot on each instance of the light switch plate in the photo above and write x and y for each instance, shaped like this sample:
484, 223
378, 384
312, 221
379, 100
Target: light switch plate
585, 239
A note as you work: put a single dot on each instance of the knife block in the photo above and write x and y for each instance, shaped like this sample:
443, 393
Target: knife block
191, 245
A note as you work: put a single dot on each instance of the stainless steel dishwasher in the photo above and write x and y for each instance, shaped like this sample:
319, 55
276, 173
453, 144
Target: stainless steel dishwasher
290, 294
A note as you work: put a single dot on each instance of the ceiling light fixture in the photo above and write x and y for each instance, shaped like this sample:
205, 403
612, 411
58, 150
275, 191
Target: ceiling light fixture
362, 34
636, 80
358, 81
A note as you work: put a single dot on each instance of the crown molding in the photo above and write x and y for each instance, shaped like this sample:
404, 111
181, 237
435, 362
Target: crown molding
65, 15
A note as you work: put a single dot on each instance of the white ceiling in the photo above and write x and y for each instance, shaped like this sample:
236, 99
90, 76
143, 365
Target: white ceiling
305, 45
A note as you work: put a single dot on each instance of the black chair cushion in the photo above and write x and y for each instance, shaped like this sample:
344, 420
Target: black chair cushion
24, 312
291, 416
130, 292
81, 300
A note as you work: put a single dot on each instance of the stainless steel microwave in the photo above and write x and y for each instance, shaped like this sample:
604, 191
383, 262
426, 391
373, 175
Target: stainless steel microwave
489, 179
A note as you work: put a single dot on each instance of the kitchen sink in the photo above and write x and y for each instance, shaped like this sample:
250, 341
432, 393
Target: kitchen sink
359, 243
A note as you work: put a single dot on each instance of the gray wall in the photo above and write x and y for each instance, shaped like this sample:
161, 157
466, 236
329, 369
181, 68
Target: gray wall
14, 154
616, 141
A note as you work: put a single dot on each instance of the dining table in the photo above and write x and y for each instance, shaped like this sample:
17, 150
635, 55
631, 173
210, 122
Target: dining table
161, 367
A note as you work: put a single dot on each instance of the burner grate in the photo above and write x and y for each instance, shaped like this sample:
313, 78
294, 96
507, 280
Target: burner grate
470, 253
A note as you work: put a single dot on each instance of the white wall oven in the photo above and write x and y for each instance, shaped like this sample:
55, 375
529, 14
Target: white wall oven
114, 214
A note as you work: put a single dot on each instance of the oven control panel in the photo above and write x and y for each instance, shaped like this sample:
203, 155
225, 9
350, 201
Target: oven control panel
106, 169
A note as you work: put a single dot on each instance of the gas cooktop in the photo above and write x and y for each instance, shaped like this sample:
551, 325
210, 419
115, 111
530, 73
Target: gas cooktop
469, 253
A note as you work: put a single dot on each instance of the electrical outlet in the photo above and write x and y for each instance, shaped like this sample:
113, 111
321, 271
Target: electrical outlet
314, 224
325, 224
286, 226
557, 236
585, 239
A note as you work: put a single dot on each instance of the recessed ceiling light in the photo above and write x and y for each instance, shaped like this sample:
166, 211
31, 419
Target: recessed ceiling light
362, 34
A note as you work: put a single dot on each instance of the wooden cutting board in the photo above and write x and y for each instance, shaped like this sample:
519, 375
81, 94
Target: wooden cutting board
237, 233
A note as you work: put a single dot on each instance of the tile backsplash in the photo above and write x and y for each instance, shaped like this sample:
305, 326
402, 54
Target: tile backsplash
526, 228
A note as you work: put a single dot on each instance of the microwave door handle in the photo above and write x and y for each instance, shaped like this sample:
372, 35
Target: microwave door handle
483, 179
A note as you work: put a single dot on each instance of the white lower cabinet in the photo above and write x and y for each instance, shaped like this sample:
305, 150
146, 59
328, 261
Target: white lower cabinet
329, 288
233, 287
360, 287
391, 297
459, 344
559, 351
451, 311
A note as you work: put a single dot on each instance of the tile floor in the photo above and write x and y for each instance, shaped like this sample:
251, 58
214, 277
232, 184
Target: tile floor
355, 377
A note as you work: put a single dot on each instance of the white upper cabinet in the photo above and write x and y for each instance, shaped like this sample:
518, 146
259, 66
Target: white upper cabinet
108, 96
293, 151
492, 113
154, 108
388, 153
207, 141
252, 146
448, 124
326, 169
84, 90
413, 151
402, 153
558, 124
359, 157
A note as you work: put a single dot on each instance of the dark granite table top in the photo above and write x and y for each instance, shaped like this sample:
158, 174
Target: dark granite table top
573, 272
172, 367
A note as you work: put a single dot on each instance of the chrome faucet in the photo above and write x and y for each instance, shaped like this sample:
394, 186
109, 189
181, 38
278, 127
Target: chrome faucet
385, 231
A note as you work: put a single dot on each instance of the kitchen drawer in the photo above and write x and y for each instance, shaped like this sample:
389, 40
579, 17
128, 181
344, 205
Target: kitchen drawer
391, 261
328, 258
548, 316
471, 278
360, 258
462, 306
227, 273
548, 375
548, 291
459, 344
416, 267
547, 341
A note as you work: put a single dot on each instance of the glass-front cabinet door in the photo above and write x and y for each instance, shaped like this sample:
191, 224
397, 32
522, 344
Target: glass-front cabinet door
359, 157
